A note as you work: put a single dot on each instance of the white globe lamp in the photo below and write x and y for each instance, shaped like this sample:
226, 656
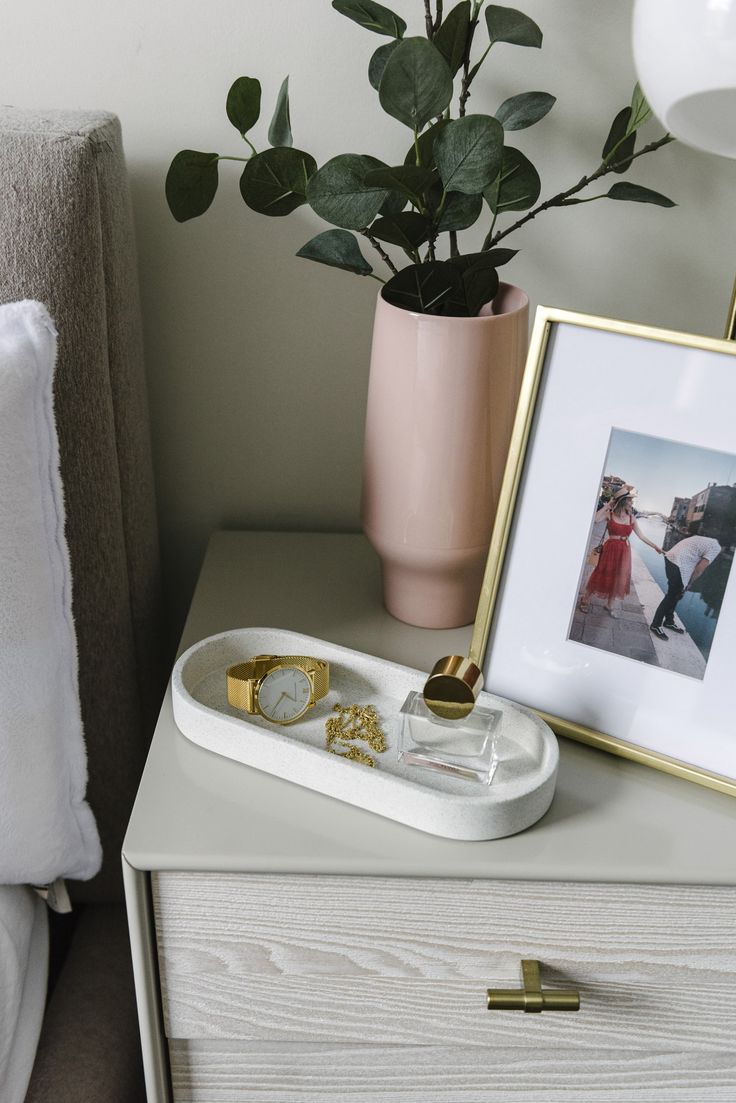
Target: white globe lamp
685, 56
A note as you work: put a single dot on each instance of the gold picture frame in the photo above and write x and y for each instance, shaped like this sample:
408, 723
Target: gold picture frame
497, 632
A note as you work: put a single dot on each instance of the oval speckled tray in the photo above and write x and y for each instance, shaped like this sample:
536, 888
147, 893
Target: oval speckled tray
521, 790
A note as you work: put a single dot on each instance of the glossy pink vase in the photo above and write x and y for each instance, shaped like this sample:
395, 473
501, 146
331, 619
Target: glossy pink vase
441, 403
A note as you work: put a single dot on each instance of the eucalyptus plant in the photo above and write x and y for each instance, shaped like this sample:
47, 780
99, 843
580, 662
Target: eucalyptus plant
458, 167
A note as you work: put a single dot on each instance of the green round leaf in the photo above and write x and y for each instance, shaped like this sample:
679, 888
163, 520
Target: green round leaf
460, 211
526, 109
436, 198
452, 36
243, 104
510, 25
275, 182
410, 180
409, 230
640, 109
378, 62
393, 204
191, 183
372, 16
468, 153
479, 283
279, 132
416, 85
424, 288
491, 258
338, 192
620, 142
338, 249
425, 142
635, 193
517, 186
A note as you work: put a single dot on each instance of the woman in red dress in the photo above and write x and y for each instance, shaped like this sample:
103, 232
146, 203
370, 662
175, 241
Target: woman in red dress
611, 578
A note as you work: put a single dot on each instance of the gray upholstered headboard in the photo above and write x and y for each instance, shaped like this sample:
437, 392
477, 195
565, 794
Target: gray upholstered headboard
66, 238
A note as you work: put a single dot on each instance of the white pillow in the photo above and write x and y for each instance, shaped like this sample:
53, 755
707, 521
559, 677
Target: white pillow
47, 829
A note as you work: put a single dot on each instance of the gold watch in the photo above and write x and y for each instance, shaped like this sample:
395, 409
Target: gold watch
278, 687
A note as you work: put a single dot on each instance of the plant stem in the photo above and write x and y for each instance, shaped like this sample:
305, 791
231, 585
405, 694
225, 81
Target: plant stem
454, 251
588, 199
373, 276
440, 209
559, 199
465, 87
428, 21
380, 250
432, 25
218, 158
493, 226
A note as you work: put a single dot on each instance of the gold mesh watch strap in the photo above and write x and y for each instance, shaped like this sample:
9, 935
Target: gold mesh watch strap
242, 678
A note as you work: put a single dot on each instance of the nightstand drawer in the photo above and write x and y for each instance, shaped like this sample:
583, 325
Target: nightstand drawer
407, 962
279, 1072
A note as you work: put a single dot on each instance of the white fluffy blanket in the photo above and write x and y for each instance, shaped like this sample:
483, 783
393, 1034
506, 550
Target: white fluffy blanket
23, 971
47, 830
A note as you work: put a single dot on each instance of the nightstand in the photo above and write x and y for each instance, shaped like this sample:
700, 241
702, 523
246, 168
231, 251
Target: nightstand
291, 947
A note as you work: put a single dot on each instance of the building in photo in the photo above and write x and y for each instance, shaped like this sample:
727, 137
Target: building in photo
711, 510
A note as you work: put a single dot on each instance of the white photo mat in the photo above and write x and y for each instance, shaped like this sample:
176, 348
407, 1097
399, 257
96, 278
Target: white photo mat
596, 375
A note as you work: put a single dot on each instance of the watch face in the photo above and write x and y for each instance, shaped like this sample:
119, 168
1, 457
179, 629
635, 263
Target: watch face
284, 694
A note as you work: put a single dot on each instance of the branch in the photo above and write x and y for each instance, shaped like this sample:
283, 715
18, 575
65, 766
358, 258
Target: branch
467, 76
432, 25
380, 250
428, 23
465, 87
559, 199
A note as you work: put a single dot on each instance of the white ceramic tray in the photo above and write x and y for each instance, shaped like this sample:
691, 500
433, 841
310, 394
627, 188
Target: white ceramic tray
521, 790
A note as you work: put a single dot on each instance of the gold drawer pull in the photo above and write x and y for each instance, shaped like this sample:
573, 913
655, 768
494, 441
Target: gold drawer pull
530, 996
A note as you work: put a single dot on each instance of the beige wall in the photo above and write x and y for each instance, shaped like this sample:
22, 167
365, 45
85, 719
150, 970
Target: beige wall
258, 361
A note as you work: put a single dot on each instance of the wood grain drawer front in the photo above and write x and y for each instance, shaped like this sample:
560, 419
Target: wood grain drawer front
280, 1072
404, 961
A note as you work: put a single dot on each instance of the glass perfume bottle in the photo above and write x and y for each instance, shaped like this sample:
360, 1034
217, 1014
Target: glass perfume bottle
460, 748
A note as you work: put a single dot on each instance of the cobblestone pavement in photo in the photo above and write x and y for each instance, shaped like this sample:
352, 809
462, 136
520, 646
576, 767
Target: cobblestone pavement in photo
627, 634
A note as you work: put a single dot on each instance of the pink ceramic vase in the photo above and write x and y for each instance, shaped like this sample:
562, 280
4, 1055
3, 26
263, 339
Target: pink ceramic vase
441, 403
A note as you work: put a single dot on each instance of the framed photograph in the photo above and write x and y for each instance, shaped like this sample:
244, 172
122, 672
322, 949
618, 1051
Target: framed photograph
609, 602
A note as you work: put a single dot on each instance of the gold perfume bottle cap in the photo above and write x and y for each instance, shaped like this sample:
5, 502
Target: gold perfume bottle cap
452, 688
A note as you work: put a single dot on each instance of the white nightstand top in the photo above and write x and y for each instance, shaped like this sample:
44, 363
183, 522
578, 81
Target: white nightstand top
610, 820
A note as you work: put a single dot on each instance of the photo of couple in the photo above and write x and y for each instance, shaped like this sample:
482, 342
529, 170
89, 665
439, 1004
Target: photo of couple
659, 553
